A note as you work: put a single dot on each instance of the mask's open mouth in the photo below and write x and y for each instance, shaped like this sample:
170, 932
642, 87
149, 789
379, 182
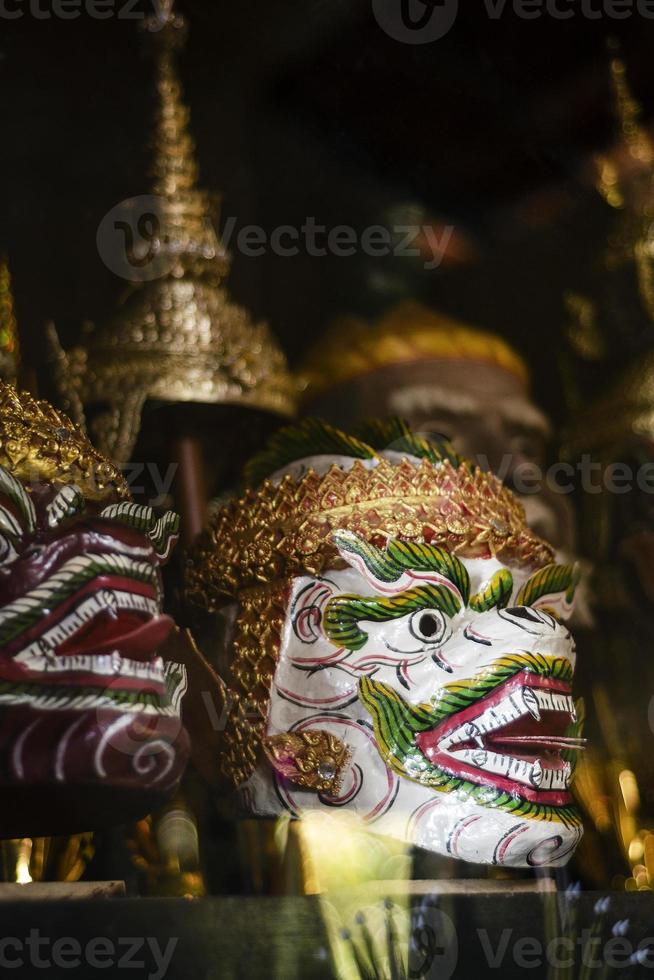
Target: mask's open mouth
506, 738
92, 628
512, 739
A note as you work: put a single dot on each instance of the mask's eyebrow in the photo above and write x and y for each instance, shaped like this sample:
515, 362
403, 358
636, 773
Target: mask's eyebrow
162, 532
496, 592
550, 580
343, 613
389, 564
19, 497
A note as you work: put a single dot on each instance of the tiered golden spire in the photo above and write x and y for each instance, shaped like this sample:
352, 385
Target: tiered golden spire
626, 182
9, 347
178, 337
624, 178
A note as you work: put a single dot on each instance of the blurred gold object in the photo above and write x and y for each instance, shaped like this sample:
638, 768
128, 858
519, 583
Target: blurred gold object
45, 858
353, 347
179, 337
9, 345
166, 850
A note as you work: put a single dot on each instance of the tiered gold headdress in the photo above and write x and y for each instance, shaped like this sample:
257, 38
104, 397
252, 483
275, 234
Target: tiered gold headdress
409, 333
38, 443
179, 338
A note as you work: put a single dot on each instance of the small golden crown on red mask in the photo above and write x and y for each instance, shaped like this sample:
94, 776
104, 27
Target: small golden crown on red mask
40, 444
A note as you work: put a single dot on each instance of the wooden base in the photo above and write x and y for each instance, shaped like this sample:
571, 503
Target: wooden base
58, 891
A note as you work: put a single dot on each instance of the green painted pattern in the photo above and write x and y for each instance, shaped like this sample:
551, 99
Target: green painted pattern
549, 581
64, 694
495, 594
15, 491
64, 584
144, 519
390, 563
395, 434
311, 437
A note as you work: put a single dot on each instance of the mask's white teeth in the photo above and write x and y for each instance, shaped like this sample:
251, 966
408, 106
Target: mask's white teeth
102, 665
530, 702
528, 773
536, 774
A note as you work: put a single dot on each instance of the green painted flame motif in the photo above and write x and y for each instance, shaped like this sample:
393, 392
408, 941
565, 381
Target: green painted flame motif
397, 723
344, 613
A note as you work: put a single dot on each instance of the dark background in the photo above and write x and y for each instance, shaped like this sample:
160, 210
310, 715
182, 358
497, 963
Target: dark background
309, 109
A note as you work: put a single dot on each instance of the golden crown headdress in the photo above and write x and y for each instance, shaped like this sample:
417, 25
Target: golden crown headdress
422, 491
179, 338
40, 444
408, 333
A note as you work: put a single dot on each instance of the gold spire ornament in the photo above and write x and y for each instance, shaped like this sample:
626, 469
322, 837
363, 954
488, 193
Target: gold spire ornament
9, 346
631, 169
626, 182
178, 337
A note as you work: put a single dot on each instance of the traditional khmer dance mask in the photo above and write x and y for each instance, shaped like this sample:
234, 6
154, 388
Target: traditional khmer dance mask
397, 646
441, 375
90, 729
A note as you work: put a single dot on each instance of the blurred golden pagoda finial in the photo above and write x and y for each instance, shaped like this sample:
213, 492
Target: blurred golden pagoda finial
630, 169
9, 346
178, 336
186, 211
621, 317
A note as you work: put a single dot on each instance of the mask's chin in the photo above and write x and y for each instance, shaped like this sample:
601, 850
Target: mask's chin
469, 831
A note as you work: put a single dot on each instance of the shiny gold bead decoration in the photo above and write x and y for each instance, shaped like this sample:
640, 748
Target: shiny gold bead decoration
40, 444
257, 641
283, 530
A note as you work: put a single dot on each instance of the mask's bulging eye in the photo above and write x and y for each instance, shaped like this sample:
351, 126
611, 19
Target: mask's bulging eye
428, 626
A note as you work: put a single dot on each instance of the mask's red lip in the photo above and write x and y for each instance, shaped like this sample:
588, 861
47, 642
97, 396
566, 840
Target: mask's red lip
143, 639
511, 740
